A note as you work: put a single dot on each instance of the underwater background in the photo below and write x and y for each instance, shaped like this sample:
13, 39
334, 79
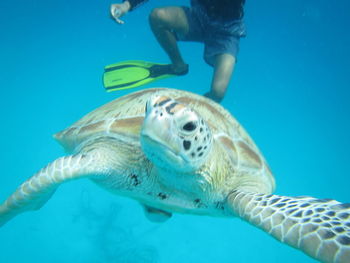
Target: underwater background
290, 90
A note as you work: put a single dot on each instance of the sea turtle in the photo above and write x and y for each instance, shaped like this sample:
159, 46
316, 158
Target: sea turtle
175, 151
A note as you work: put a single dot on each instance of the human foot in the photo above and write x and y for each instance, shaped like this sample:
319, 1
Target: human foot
168, 69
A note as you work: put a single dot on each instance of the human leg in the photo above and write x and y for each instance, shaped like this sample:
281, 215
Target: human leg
165, 22
223, 69
221, 48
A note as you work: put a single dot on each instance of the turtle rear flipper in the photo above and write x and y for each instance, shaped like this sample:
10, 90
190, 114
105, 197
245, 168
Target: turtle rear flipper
318, 227
156, 215
38, 189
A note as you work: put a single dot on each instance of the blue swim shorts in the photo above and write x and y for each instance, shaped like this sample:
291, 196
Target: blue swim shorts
219, 37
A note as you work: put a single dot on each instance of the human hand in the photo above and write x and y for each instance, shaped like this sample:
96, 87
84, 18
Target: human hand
118, 10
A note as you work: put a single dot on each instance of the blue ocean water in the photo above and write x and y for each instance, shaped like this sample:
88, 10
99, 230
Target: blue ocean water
290, 90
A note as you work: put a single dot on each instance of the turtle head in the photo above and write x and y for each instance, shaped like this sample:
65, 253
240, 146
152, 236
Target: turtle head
174, 136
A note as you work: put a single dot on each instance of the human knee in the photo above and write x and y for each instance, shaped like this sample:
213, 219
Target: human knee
158, 16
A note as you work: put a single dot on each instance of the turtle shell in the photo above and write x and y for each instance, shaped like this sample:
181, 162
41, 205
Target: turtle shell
123, 117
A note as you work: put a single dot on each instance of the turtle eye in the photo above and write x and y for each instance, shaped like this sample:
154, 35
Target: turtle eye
189, 126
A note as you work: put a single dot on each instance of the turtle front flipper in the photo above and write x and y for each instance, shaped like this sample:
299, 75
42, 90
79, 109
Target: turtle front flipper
318, 227
34, 192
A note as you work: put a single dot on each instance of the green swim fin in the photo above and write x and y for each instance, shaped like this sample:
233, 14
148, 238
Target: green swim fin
134, 73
